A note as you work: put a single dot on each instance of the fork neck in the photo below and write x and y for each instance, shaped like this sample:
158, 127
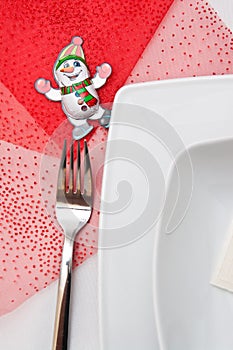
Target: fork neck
61, 327
67, 253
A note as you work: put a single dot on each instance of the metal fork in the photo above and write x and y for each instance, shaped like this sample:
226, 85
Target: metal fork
73, 210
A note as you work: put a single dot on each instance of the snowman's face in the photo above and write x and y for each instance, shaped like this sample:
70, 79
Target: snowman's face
71, 72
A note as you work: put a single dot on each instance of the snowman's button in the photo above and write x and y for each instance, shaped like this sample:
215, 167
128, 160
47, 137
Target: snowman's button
84, 108
80, 101
77, 94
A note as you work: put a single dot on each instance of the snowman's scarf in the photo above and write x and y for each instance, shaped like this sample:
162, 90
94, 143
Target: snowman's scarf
81, 91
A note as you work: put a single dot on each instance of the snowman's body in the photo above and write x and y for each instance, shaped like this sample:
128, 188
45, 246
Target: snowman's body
75, 108
77, 92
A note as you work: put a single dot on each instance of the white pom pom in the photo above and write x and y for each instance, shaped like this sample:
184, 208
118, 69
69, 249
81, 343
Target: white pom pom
77, 40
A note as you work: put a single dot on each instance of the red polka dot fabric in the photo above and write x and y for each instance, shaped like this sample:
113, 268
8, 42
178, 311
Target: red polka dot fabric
17, 125
34, 32
191, 41
33, 128
31, 239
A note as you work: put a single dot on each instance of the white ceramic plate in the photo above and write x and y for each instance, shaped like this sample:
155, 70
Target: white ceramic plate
152, 125
191, 313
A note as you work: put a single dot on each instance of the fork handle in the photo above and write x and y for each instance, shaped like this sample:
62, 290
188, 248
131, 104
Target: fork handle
60, 338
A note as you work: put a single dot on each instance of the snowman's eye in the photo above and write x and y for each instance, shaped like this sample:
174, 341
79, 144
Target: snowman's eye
66, 65
76, 64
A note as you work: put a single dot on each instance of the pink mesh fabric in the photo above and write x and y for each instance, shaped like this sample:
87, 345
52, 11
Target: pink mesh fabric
31, 240
191, 41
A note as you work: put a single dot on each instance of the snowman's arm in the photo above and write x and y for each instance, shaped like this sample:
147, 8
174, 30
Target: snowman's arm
53, 94
102, 73
44, 87
97, 81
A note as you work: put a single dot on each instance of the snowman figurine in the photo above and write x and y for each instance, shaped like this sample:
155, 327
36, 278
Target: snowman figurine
77, 92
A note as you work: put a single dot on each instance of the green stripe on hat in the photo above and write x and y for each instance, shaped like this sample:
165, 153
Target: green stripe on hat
69, 57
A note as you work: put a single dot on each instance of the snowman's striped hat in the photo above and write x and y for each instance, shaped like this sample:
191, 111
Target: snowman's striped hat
72, 51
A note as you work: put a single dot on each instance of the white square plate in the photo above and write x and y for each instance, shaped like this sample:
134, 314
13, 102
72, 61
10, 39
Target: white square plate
191, 313
145, 273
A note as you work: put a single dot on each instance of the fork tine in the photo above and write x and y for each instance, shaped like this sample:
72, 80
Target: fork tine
71, 168
78, 169
87, 188
61, 183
